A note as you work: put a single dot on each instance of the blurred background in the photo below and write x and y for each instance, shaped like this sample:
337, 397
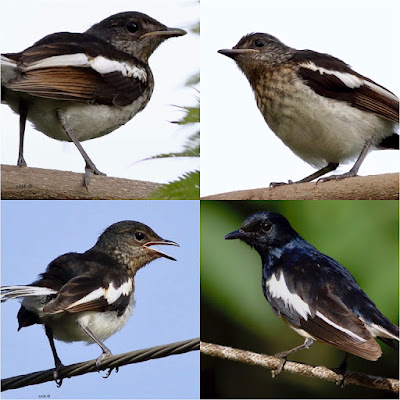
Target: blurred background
361, 235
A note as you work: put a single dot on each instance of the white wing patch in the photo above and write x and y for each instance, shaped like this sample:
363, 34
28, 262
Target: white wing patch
112, 294
100, 64
96, 294
349, 80
381, 90
279, 289
340, 328
104, 66
66, 60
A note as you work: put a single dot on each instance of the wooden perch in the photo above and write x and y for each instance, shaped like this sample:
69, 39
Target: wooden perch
41, 184
374, 187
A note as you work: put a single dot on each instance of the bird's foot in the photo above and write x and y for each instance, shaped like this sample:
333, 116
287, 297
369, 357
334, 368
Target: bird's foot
91, 170
277, 371
349, 174
21, 162
56, 372
275, 184
103, 356
341, 371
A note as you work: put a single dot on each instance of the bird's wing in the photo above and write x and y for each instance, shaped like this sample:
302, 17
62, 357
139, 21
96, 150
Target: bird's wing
331, 321
312, 305
332, 78
86, 293
78, 74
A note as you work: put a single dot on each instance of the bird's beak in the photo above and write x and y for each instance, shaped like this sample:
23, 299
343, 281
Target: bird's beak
233, 53
235, 235
159, 252
165, 33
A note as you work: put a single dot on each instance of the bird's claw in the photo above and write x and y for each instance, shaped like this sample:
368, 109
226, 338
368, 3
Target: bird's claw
275, 184
336, 177
89, 172
100, 360
57, 380
275, 372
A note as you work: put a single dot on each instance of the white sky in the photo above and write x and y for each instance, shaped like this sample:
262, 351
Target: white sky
150, 132
238, 150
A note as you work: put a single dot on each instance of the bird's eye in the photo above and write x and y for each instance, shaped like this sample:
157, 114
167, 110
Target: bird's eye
266, 226
132, 27
139, 236
259, 43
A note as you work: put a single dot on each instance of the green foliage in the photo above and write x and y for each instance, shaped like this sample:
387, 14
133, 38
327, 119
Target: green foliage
185, 188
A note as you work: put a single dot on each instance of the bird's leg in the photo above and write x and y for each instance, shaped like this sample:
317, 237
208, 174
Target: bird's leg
90, 168
306, 345
106, 351
330, 167
341, 370
57, 361
356, 166
23, 114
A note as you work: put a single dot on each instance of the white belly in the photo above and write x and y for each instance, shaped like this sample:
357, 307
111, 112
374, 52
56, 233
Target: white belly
321, 130
87, 121
67, 326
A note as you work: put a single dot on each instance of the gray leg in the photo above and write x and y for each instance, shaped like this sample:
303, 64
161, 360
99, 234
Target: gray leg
90, 168
23, 114
330, 167
106, 351
306, 345
356, 166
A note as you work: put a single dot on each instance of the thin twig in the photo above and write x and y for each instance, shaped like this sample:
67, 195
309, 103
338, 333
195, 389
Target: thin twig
115, 361
321, 372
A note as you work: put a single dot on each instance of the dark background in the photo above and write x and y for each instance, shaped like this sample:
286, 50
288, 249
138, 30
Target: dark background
361, 235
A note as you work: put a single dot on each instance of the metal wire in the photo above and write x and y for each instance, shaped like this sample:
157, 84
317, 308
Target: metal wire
114, 361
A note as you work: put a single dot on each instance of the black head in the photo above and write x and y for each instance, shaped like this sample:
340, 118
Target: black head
134, 33
130, 242
264, 230
258, 48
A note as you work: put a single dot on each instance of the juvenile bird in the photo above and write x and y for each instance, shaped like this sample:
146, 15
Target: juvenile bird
89, 296
79, 86
325, 112
314, 294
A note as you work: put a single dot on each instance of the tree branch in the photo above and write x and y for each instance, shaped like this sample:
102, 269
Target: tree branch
116, 361
374, 187
271, 362
41, 184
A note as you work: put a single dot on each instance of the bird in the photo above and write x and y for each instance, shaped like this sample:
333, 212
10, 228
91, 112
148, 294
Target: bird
89, 296
314, 294
79, 86
323, 110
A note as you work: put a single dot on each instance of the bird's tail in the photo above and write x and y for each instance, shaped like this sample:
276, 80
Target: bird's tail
390, 142
16, 292
393, 343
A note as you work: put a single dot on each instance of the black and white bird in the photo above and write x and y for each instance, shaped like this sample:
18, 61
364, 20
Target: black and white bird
79, 86
325, 112
89, 296
314, 294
